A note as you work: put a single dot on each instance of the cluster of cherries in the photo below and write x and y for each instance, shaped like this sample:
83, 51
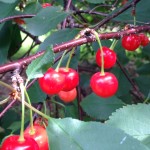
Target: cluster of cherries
133, 41
62, 81
105, 84
35, 139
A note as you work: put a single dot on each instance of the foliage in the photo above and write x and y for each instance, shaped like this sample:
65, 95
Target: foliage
33, 39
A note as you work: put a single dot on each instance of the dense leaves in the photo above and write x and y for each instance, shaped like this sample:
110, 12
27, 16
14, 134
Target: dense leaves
133, 120
72, 134
100, 108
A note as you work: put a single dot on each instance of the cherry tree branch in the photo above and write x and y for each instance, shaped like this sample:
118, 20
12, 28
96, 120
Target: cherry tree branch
70, 44
107, 19
16, 16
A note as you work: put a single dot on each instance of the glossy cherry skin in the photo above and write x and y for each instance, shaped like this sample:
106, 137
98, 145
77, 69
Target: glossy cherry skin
12, 143
71, 78
44, 5
40, 136
104, 85
131, 42
68, 96
144, 39
52, 82
109, 57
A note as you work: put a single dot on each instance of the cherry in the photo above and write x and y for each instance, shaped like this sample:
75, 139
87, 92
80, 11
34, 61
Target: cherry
131, 42
12, 143
52, 82
71, 78
104, 85
44, 5
39, 135
68, 96
144, 39
109, 57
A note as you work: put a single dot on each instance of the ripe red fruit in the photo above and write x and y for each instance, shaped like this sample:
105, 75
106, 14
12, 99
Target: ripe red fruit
71, 78
44, 5
144, 39
109, 57
104, 85
68, 96
12, 143
131, 42
40, 136
52, 82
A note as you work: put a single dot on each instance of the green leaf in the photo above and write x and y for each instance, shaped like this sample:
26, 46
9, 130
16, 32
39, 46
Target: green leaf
40, 65
35, 93
6, 10
5, 40
72, 134
45, 20
124, 84
143, 83
59, 37
133, 119
144, 69
95, 1
8, 1
100, 108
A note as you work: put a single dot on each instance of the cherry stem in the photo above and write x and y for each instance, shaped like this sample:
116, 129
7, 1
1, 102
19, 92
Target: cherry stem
113, 44
60, 61
31, 114
71, 53
69, 59
4, 100
7, 85
35, 110
21, 138
101, 49
57, 103
134, 19
45, 108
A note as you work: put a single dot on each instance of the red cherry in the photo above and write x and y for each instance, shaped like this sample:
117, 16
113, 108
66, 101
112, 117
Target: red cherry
131, 42
44, 5
109, 57
52, 82
144, 39
71, 78
68, 96
104, 85
39, 135
12, 143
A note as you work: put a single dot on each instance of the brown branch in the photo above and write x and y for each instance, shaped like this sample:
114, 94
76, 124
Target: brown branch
70, 44
17, 16
107, 19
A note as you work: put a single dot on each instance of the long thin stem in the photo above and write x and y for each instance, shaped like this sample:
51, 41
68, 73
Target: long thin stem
35, 110
60, 61
7, 86
21, 138
101, 49
31, 114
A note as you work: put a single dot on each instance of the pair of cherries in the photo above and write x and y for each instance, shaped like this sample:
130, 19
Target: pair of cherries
62, 82
133, 41
38, 140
